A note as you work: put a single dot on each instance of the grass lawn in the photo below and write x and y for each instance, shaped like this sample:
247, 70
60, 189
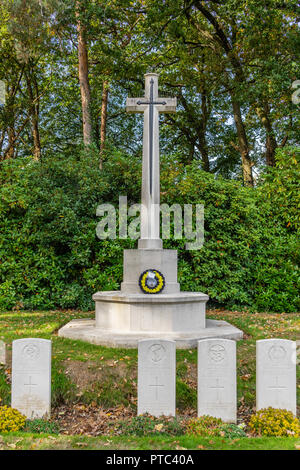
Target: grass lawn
94, 387
28, 441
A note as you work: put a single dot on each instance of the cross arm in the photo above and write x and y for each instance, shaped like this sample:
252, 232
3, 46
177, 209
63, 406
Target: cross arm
169, 105
133, 107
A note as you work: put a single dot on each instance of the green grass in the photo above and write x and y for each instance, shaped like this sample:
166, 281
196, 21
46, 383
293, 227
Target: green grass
29, 441
111, 373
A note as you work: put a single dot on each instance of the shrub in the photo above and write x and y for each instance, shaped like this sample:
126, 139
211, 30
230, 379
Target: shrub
274, 422
41, 426
210, 426
145, 424
51, 257
11, 419
204, 426
233, 431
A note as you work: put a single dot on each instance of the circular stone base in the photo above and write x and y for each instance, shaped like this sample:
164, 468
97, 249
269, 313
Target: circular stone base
85, 330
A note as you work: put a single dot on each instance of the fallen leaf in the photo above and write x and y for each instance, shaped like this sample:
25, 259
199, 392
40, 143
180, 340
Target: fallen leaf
158, 427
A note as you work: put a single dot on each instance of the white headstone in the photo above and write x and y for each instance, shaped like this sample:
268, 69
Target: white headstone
156, 377
31, 377
217, 379
2, 352
276, 374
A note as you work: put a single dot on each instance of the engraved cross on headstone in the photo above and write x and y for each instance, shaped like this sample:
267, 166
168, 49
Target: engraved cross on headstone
217, 387
151, 105
278, 388
30, 385
156, 385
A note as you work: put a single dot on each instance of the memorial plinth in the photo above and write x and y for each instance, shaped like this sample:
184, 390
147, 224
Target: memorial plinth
150, 303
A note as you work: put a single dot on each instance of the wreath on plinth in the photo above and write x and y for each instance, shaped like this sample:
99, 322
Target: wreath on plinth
151, 281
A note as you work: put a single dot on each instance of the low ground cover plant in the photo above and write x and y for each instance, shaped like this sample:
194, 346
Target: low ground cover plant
145, 425
11, 419
209, 426
274, 422
38, 426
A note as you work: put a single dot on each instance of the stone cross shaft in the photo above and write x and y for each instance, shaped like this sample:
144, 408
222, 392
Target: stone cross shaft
151, 105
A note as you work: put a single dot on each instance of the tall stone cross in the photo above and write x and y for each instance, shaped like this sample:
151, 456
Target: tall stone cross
151, 105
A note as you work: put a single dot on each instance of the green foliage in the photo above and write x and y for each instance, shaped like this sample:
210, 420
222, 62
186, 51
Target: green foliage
62, 389
38, 426
145, 425
4, 387
209, 426
11, 419
185, 396
232, 431
274, 422
51, 257
112, 391
282, 188
204, 426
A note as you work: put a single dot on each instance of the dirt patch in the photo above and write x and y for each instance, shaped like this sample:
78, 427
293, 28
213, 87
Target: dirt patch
191, 376
94, 421
90, 420
84, 374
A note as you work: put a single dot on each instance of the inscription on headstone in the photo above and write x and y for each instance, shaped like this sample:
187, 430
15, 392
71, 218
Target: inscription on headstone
217, 379
156, 377
31, 377
276, 374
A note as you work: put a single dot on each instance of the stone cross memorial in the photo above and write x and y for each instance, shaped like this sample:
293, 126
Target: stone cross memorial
150, 303
151, 105
276, 374
156, 377
31, 377
217, 379
2, 352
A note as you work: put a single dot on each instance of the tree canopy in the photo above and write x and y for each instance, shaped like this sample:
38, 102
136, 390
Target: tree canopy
69, 65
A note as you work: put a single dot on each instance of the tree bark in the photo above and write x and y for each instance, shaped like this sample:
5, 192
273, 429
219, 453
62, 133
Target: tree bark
34, 114
243, 143
10, 151
105, 91
83, 74
271, 143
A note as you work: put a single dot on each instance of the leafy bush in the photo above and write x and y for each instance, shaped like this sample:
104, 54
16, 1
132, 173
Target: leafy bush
232, 431
51, 257
146, 425
11, 419
274, 422
281, 187
204, 426
41, 426
209, 426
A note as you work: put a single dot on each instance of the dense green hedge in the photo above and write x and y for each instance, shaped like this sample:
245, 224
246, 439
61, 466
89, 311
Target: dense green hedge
50, 256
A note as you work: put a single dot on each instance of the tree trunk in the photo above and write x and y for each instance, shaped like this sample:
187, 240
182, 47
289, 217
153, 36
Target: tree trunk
83, 70
202, 133
243, 143
271, 144
105, 91
34, 115
10, 151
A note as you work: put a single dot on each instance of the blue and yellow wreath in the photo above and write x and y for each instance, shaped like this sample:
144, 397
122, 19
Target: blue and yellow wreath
157, 281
